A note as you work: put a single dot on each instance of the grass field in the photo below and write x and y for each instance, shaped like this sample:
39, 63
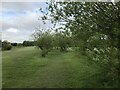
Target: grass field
24, 67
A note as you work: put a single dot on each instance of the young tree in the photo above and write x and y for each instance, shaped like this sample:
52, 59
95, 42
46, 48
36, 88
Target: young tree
61, 41
44, 41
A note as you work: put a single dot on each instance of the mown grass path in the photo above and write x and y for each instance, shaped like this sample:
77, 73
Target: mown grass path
24, 67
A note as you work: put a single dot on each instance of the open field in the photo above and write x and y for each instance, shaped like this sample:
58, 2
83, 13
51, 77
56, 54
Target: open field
24, 67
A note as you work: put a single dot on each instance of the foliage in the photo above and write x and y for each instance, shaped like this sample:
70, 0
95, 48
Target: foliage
61, 40
14, 44
6, 45
28, 43
44, 41
95, 28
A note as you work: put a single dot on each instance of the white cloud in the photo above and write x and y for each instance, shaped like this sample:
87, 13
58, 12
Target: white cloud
12, 30
13, 35
20, 20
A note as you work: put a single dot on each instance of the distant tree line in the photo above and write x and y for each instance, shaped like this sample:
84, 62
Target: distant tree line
5, 45
28, 43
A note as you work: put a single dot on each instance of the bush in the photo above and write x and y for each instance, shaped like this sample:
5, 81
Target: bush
6, 45
14, 44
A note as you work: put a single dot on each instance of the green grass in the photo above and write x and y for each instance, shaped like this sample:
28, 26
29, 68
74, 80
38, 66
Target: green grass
24, 67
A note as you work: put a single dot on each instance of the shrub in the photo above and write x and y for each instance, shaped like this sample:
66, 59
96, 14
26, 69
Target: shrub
6, 45
14, 44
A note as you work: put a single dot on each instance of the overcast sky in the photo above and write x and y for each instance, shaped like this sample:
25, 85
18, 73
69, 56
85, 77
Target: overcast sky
19, 20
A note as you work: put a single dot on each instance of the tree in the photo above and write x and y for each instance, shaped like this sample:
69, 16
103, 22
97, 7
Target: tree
95, 27
44, 41
62, 41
